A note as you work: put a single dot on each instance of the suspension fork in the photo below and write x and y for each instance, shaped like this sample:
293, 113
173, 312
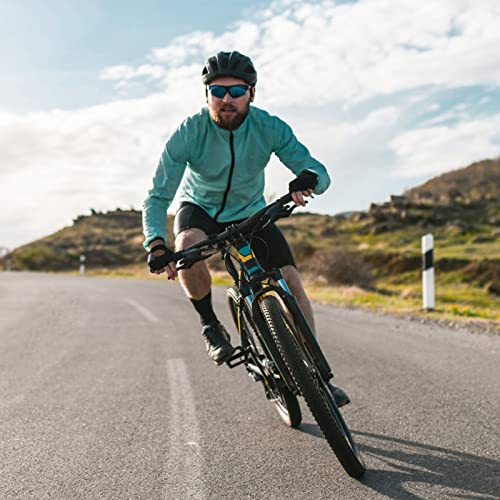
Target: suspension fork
271, 347
305, 331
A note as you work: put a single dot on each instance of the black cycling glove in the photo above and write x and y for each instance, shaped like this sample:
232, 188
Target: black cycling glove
157, 262
305, 181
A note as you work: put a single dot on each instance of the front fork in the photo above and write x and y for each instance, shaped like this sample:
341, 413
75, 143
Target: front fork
298, 316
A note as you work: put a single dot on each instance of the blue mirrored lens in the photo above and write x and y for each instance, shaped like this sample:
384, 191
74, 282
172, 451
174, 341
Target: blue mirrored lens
237, 90
218, 91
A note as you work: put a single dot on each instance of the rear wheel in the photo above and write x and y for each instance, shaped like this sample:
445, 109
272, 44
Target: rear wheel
283, 400
313, 388
286, 404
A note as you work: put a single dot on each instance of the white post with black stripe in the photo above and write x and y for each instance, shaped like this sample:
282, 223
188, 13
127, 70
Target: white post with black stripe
82, 265
428, 294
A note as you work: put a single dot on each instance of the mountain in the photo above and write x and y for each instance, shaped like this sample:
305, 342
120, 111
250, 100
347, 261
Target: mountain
111, 239
479, 181
461, 208
463, 200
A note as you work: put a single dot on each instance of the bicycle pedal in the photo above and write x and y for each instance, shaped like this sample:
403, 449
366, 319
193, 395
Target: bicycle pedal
238, 357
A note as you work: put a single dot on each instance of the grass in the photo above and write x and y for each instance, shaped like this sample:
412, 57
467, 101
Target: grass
451, 303
406, 240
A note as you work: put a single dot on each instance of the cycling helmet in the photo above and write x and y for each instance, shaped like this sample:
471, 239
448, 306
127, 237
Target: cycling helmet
229, 64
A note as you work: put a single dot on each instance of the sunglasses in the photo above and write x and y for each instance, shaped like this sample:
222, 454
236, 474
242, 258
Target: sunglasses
234, 90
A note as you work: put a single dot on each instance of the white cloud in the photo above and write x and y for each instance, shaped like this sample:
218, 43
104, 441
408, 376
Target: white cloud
124, 74
356, 51
459, 112
433, 150
57, 165
118, 72
328, 136
334, 71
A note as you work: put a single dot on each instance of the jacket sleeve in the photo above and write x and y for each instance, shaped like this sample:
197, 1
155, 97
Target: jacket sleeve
166, 181
296, 157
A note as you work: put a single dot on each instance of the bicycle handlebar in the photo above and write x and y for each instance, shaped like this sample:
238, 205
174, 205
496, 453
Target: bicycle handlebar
213, 244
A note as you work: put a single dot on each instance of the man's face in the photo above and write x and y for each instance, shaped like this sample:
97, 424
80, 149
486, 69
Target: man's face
229, 112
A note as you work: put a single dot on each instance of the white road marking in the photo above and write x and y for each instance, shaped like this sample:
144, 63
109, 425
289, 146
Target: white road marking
185, 473
150, 316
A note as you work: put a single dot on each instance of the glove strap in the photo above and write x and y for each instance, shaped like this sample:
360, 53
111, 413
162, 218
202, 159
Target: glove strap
158, 247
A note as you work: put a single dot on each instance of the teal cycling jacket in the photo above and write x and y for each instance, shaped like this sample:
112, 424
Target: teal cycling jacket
222, 171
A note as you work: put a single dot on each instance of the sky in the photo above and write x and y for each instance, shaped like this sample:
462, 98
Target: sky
385, 94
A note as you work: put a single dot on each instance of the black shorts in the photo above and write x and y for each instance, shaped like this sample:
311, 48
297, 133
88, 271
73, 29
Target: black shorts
190, 215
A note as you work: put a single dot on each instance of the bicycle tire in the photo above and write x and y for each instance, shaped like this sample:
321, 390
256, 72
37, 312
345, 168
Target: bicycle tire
285, 402
315, 392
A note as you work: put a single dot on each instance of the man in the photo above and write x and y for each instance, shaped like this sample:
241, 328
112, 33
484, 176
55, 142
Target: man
219, 155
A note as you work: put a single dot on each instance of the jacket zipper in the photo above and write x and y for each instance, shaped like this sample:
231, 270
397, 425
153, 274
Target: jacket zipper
231, 145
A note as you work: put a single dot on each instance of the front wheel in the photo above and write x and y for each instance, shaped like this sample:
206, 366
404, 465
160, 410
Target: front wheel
283, 400
312, 387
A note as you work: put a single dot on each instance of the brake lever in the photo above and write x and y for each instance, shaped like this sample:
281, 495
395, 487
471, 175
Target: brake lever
188, 261
185, 264
275, 213
287, 211
194, 255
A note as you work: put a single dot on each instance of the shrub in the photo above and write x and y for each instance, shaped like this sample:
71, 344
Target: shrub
341, 266
302, 249
36, 258
483, 272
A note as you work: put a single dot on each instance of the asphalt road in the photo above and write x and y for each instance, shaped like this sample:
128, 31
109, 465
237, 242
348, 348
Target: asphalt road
106, 392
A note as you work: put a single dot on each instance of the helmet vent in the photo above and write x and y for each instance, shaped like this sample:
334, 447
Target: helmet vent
229, 64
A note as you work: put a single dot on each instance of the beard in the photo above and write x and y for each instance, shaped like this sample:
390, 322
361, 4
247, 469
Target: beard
229, 122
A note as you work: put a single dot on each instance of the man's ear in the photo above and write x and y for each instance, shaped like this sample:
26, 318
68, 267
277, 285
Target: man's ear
252, 94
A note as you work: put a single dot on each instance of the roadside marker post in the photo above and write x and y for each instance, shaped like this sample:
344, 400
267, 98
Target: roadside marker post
428, 293
82, 264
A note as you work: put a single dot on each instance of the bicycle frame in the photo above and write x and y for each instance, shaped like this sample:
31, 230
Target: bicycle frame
250, 281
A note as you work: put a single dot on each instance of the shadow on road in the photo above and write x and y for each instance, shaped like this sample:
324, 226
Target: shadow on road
454, 474
415, 462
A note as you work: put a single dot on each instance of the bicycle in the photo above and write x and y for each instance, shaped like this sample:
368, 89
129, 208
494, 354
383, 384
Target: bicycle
278, 347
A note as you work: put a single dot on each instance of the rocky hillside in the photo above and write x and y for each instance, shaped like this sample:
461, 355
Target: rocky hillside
478, 182
111, 239
461, 208
464, 200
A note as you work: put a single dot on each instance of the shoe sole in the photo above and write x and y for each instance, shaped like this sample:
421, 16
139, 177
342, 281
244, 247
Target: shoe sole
225, 358
346, 402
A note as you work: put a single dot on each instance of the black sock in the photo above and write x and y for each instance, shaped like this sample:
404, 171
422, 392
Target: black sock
204, 309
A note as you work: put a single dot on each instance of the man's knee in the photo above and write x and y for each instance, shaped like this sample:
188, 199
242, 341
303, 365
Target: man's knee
293, 279
189, 237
